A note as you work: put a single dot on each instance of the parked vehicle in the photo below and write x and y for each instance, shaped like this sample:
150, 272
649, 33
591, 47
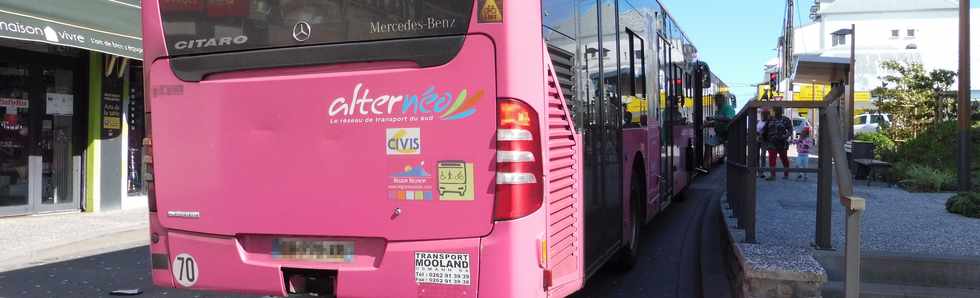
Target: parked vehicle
871, 122
799, 124
409, 148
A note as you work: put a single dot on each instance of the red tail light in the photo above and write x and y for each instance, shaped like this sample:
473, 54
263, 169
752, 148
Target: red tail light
519, 179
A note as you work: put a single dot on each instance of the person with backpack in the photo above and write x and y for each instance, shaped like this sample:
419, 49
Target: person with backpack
760, 138
776, 136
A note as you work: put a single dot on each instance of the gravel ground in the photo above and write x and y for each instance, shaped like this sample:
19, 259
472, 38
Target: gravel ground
894, 221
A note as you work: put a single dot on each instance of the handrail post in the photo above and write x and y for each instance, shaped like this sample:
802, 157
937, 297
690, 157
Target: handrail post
854, 206
824, 187
752, 164
852, 253
740, 158
729, 169
845, 182
741, 180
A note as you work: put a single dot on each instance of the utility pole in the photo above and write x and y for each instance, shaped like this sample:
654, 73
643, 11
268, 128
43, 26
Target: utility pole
849, 119
964, 94
788, 47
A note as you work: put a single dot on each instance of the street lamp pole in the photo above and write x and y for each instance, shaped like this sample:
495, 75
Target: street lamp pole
964, 97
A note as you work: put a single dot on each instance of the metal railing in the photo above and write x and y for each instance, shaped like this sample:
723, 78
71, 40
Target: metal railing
743, 164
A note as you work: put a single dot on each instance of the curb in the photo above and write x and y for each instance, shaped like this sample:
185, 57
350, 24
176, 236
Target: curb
756, 280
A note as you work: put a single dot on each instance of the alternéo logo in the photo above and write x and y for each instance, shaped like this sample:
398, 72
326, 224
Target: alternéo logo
403, 141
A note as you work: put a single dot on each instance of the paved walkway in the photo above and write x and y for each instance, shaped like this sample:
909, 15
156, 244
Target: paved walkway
33, 240
895, 220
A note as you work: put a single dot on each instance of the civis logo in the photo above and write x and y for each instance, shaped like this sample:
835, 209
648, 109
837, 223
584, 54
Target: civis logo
445, 105
404, 141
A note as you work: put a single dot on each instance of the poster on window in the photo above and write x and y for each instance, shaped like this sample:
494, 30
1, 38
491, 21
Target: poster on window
112, 89
60, 104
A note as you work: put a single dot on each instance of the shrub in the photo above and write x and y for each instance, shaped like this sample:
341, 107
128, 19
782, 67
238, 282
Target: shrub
937, 147
918, 177
884, 146
929, 161
966, 204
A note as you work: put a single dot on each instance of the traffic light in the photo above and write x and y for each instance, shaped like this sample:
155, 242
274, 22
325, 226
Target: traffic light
773, 80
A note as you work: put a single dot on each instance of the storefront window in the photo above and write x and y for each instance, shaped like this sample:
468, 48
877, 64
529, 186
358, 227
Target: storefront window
56, 136
136, 125
14, 134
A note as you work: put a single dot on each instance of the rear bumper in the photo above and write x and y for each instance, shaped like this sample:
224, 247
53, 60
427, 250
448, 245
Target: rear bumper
246, 264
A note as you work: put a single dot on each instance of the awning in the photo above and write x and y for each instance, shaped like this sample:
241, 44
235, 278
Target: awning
107, 26
822, 70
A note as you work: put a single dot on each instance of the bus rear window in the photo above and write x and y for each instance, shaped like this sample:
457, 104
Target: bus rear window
210, 26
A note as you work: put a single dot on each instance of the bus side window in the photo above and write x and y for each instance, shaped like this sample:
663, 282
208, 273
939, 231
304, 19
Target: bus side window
634, 82
559, 19
571, 34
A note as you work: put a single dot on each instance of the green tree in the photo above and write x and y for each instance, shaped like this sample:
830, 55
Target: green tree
915, 98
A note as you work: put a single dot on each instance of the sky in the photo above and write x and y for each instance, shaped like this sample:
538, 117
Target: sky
737, 38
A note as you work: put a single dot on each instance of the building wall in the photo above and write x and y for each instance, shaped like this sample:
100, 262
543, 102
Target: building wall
933, 43
107, 152
935, 40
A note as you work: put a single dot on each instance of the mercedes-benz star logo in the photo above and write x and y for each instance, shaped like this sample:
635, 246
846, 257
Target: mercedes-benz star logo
301, 31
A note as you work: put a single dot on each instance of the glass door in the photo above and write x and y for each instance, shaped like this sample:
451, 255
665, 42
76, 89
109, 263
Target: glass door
15, 139
57, 162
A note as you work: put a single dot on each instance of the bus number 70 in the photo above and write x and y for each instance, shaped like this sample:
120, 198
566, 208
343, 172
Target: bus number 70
185, 270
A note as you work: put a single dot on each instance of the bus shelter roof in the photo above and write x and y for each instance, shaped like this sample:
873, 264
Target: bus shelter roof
107, 26
819, 69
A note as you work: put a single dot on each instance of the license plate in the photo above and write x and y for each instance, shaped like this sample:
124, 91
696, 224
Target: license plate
314, 250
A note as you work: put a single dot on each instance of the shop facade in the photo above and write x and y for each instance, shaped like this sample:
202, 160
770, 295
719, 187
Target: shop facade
71, 106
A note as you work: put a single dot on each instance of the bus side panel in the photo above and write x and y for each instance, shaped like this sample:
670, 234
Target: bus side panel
634, 148
565, 251
160, 272
510, 261
683, 134
653, 198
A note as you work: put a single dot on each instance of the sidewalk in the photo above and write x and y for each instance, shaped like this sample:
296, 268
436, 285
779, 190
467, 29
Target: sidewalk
33, 240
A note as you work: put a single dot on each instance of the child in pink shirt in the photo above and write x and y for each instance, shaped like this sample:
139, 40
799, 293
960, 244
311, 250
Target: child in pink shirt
804, 144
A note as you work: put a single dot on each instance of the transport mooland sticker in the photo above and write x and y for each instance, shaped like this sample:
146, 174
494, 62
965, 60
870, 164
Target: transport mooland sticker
455, 180
403, 141
411, 183
407, 106
442, 268
185, 270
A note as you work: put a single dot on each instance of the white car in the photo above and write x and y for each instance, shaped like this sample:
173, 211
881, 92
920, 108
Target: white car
799, 124
867, 122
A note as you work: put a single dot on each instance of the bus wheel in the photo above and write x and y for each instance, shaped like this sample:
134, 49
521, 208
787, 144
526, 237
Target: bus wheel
627, 255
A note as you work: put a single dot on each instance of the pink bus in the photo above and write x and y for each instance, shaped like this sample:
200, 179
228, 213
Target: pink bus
391, 148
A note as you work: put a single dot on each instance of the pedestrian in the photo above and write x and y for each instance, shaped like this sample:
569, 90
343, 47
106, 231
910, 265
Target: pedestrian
776, 135
722, 118
759, 126
803, 146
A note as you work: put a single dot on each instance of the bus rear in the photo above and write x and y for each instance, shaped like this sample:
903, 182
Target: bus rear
347, 147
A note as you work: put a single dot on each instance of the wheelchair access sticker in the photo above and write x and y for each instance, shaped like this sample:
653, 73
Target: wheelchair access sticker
455, 180
185, 270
